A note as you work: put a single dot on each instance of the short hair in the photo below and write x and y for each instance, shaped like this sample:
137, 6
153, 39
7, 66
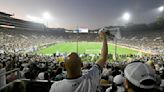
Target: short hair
72, 63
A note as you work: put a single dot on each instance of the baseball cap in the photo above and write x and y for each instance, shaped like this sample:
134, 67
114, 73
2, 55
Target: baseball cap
118, 79
140, 75
41, 76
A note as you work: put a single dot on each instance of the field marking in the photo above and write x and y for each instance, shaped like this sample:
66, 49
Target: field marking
133, 49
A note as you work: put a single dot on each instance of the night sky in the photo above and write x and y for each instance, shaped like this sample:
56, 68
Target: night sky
84, 13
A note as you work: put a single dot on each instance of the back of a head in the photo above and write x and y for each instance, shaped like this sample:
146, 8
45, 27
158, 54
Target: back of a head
73, 63
59, 70
140, 75
151, 63
118, 80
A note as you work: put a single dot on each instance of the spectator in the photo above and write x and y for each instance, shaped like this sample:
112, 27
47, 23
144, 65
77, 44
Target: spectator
151, 64
116, 71
75, 81
41, 76
59, 74
117, 85
3, 68
139, 77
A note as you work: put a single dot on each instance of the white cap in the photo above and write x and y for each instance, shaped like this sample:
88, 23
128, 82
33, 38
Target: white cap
119, 79
41, 76
137, 73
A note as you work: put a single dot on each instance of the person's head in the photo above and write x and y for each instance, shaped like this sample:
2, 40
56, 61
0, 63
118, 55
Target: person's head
151, 64
73, 64
139, 77
30, 75
59, 70
46, 76
119, 80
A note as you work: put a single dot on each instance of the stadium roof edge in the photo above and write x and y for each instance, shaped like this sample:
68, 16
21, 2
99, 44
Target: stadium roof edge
5, 14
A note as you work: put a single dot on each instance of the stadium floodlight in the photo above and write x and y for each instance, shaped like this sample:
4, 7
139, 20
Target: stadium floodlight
161, 9
126, 16
46, 16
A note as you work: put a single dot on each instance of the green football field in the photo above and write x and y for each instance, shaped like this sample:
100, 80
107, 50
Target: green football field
84, 47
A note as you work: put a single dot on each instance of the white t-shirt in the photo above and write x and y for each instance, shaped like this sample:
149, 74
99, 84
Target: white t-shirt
86, 83
3, 77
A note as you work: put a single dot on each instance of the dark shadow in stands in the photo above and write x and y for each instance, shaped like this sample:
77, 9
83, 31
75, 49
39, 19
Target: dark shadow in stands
33, 86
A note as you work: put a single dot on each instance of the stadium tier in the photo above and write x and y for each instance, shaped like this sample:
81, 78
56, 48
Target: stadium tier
35, 58
23, 36
8, 21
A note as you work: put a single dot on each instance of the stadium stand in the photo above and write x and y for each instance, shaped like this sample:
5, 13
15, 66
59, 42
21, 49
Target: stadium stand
38, 72
7, 20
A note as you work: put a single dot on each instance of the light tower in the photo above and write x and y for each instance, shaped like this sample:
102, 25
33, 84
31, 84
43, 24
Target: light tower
46, 16
161, 9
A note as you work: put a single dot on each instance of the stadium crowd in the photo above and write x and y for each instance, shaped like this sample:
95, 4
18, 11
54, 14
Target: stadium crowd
151, 41
23, 71
35, 67
16, 40
150, 70
19, 40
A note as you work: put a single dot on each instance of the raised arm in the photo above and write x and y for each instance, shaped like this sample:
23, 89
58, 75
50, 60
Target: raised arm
104, 50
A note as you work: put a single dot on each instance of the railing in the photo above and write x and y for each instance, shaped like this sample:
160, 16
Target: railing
9, 72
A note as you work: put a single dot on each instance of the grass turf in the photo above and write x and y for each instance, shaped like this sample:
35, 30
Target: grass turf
84, 47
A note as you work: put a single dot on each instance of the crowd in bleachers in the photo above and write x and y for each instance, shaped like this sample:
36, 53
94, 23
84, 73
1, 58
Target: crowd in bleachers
15, 40
40, 67
35, 67
151, 41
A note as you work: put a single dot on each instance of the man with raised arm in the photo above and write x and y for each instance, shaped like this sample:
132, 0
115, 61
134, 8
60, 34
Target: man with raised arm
75, 81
